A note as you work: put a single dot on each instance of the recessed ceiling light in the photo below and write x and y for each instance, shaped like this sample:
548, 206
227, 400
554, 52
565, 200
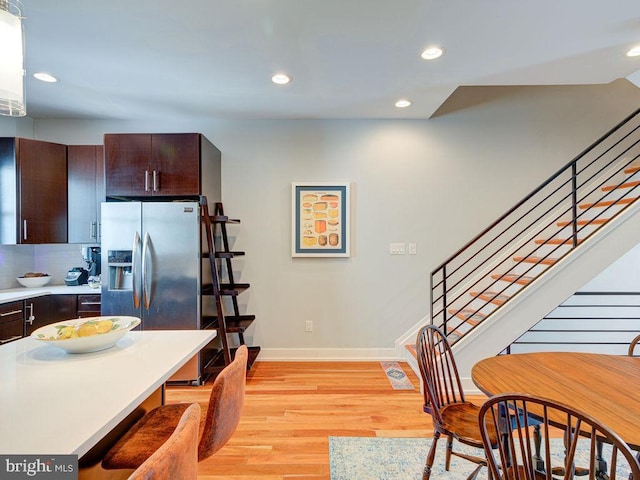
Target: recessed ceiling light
403, 103
634, 52
281, 78
431, 53
45, 77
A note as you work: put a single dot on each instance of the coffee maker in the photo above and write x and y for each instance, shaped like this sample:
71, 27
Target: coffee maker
91, 255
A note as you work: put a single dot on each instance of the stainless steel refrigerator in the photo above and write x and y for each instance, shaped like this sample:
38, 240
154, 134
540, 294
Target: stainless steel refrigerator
151, 266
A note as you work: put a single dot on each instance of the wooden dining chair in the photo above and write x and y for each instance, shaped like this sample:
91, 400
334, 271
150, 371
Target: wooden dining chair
216, 427
632, 346
570, 438
177, 457
444, 399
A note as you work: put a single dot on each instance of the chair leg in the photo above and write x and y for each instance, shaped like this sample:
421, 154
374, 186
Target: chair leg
537, 440
447, 462
430, 456
474, 474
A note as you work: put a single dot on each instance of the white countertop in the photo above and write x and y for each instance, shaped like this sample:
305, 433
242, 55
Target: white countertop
21, 293
53, 402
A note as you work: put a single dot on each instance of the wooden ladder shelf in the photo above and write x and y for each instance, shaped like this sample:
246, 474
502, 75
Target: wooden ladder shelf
231, 326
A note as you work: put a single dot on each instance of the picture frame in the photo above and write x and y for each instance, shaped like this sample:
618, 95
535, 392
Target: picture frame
320, 219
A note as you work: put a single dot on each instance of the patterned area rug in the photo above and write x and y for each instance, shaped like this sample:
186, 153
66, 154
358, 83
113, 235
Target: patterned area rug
397, 377
373, 458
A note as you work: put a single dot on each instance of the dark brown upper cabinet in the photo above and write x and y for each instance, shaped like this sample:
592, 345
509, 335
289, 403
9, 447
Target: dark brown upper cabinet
86, 192
143, 165
33, 191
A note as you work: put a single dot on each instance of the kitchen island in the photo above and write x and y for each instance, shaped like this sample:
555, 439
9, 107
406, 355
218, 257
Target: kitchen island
59, 403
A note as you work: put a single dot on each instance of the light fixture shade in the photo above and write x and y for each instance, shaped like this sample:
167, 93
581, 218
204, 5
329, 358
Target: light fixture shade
11, 60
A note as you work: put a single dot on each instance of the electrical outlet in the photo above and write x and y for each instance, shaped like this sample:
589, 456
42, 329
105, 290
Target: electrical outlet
396, 248
308, 326
413, 249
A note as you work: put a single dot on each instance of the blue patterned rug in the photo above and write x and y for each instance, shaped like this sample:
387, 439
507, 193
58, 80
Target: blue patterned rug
374, 458
397, 377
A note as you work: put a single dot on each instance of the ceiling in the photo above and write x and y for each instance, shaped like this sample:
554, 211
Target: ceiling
348, 58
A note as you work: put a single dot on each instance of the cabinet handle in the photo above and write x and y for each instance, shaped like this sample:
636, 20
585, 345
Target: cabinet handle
10, 313
91, 303
93, 230
10, 339
156, 181
146, 180
31, 316
24, 229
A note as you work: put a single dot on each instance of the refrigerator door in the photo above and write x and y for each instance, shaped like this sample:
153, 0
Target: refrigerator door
170, 276
121, 253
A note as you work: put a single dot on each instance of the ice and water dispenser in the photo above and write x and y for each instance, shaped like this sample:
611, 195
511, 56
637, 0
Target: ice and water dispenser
120, 272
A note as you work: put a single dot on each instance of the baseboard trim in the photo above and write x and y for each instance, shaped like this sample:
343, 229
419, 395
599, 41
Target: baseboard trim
328, 354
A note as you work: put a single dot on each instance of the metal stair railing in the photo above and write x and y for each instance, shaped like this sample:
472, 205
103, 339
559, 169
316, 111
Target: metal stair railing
544, 226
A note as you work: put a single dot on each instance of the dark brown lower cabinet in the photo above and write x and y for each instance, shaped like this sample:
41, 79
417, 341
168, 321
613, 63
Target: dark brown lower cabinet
41, 311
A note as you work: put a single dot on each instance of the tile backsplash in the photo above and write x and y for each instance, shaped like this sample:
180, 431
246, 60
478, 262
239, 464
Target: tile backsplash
55, 260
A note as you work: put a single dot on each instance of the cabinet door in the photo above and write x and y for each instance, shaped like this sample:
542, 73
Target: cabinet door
49, 309
42, 173
127, 164
84, 191
176, 163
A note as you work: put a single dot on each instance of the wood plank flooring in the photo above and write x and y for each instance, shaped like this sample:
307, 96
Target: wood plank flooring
292, 408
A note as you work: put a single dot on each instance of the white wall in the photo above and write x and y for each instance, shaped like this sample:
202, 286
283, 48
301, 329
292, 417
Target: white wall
435, 182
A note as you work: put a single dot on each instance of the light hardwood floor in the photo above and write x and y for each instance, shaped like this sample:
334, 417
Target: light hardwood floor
292, 408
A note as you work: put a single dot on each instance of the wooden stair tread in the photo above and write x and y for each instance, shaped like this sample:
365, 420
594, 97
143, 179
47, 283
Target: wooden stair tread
536, 260
556, 241
581, 223
513, 278
470, 316
608, 203
412, 349
493, 297
625, 185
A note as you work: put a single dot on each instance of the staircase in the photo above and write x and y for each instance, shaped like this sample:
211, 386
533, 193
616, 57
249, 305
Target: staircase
583, 217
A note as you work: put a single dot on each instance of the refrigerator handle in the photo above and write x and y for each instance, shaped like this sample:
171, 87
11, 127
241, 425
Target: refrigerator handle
146, 277
134, 269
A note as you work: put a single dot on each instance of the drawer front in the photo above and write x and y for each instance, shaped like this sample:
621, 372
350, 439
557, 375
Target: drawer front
89, 305
10, 331
11, 311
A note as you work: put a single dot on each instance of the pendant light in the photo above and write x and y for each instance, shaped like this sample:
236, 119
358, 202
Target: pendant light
11, 60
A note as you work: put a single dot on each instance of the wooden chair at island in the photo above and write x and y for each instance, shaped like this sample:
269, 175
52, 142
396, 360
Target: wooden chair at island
632, 346
177, 457
578, 436
218, 425
444, 399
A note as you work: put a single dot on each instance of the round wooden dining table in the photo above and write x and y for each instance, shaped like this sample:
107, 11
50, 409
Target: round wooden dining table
607, 387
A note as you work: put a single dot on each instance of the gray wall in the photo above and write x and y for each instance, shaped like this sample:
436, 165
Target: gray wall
434, 182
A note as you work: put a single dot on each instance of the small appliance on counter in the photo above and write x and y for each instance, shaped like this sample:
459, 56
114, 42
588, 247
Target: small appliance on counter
76, 276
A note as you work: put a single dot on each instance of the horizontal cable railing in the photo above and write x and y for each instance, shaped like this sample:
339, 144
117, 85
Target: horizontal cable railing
538, 231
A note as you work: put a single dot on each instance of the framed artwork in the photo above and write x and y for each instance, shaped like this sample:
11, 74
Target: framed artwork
320, 220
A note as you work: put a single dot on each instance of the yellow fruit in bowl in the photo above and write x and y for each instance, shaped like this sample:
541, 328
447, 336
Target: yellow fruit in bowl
86, 330
104, 326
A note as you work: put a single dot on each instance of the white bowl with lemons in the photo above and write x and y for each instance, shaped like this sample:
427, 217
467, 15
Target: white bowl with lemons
35, 281
84, 335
